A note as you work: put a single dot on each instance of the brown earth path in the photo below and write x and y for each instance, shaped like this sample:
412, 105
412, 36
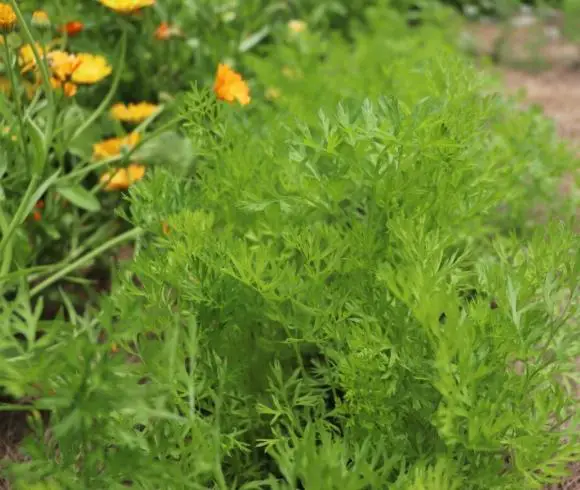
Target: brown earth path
537, 58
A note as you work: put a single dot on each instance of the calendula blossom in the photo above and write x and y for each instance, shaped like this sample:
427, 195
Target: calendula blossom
229, 86
7, 18
62, 66
133, 113
122, 178
92, 69
72, 28
127, 6
40, 19
26, 57
166, 31
114, 146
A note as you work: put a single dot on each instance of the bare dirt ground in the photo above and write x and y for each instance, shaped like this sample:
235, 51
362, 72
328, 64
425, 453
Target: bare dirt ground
537, 58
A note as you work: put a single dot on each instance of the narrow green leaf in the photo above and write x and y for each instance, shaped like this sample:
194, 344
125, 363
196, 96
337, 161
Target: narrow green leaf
80, 197
251, 41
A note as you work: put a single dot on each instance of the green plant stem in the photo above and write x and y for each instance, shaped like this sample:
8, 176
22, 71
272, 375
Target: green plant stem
14, 407
16, 96
7, 256
134, 233
43, 73
19, 215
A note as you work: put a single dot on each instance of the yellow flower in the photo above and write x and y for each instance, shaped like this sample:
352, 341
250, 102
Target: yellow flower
126, 6
92, 69
7, 18
26, 56
62, 64
229, 86
122, 178
297, 26
40, 19
133, 113
113, 146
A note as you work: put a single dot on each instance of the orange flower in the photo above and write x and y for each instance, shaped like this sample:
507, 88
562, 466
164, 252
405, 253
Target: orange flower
7, 18
133, 113
162, 32
126, 6
36, 215
114, 146
92, 69
122, 178
229, 86
165, 228
72, 28
166, 31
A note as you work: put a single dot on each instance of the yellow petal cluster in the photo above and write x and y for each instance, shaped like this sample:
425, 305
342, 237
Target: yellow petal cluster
133, 113
26, 56
127, 6
7, 18
91, 69
114, 146
122, 178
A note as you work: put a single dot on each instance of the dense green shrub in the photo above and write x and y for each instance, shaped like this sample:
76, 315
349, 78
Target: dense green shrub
337, 303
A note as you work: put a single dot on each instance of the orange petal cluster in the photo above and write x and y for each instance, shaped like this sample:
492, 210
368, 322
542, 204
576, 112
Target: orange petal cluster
7, 18
166, 31
229, 86
72, 28
113, 147
122, 178
133, 113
